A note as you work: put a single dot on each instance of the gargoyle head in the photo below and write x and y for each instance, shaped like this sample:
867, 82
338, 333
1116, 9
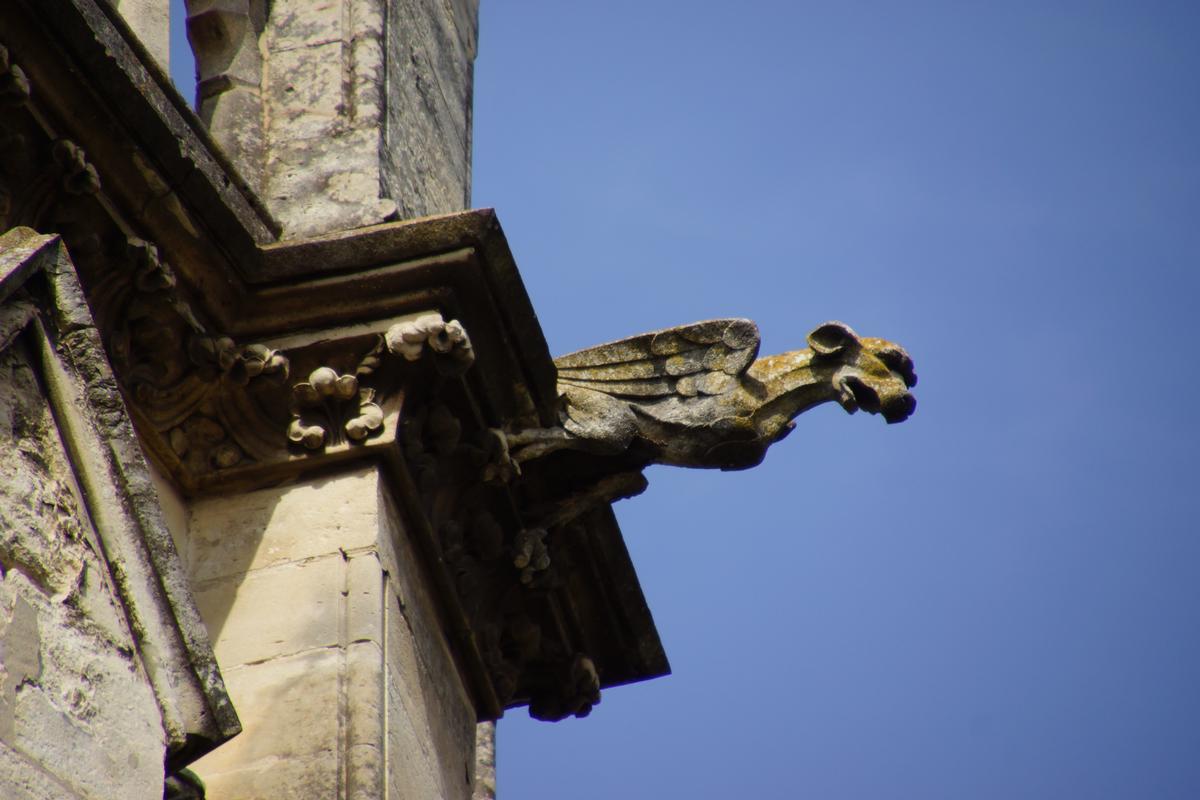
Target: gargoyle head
872, 374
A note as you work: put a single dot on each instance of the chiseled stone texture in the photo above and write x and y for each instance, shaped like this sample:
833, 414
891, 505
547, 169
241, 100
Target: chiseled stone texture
328, 639
78, 719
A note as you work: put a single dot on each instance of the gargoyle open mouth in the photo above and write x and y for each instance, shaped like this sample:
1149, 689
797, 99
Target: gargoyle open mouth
857, 393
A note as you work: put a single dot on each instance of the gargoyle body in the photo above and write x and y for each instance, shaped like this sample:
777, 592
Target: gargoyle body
695, 396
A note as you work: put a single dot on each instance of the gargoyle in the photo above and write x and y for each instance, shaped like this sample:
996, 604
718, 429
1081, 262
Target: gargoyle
695, 396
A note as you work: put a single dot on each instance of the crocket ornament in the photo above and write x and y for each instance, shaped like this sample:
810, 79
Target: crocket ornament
697, 396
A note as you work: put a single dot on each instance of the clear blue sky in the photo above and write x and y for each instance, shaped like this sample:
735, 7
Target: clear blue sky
999, 598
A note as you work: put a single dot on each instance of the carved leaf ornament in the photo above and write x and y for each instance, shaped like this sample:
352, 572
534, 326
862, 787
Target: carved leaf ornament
344, 407
332, 408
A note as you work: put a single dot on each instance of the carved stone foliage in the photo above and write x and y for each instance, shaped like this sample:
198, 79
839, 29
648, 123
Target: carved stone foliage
195, 390
447, 341
335, 407
201, 391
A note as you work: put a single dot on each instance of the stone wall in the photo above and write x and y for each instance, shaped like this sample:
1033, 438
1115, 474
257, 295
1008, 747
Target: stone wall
107, 681
431, 47
78, 717
328, 637
341, 113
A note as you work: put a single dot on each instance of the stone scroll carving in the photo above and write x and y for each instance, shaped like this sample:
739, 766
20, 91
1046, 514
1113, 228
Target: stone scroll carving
696, 396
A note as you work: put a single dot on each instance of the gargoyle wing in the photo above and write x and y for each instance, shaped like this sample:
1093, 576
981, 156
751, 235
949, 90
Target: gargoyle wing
703, 358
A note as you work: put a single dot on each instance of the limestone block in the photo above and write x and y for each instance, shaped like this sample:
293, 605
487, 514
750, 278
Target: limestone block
411, 769
369, 81
367, 18
72, 697
151, 21
365, 722
364, 598
74, 702
312, 777
326, 184
225, 44
304, 90
232, 535
289, 708
275, 611
234, 116
485, 762
321, 611
303, 23
304, 714
426, 698
427, 159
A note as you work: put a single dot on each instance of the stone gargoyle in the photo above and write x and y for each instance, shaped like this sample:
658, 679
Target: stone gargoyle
696, 396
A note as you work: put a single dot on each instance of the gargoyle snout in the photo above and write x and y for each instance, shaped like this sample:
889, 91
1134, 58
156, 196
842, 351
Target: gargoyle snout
901, 409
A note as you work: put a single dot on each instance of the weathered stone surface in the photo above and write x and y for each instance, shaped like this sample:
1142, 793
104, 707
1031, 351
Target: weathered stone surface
320, 184
305, 93
71, 690
427, 158
103, 678
485, 762
151, 22
305, 23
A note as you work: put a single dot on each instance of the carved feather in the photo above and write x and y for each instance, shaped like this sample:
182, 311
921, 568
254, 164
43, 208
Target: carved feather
701, 358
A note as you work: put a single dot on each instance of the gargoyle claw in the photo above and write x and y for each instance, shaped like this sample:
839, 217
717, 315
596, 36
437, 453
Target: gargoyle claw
500, 466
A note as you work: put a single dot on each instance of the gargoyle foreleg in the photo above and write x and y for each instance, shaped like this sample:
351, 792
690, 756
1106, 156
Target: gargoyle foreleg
532, 443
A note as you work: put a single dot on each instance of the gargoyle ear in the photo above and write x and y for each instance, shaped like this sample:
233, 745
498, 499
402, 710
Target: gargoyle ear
831, 338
